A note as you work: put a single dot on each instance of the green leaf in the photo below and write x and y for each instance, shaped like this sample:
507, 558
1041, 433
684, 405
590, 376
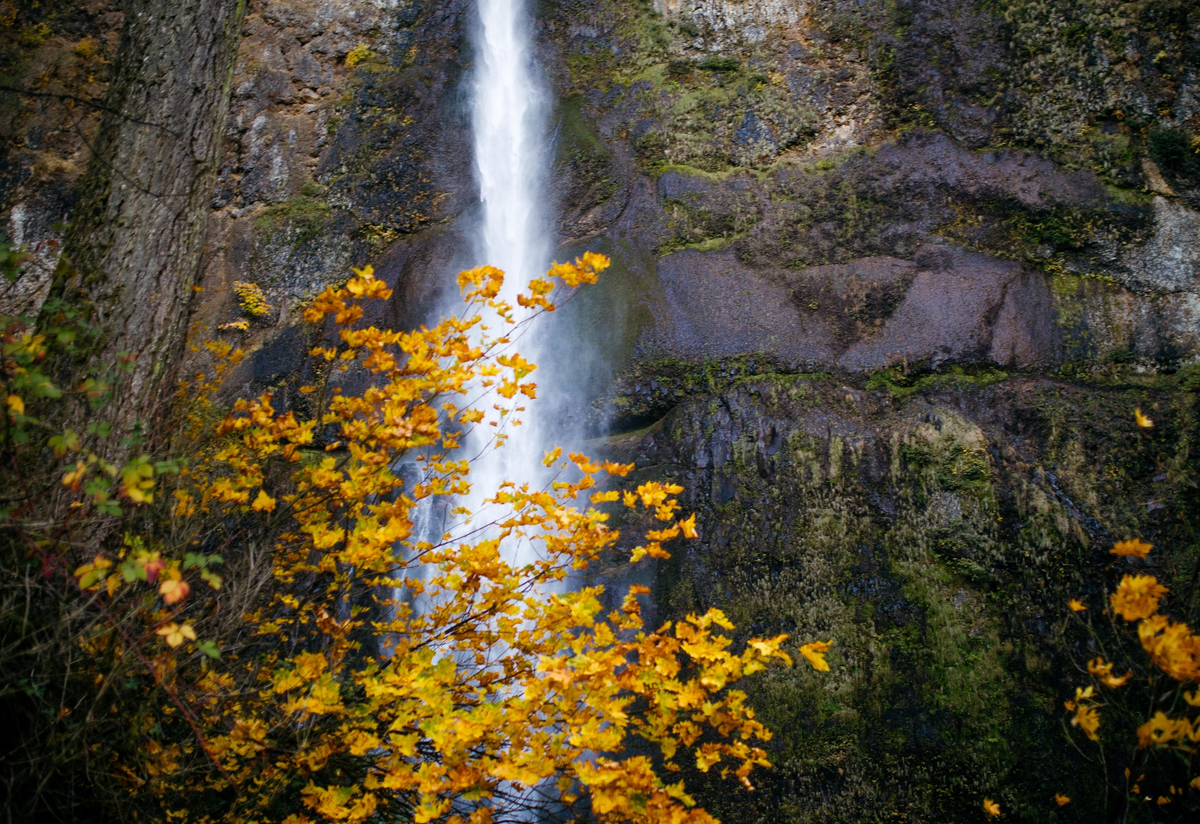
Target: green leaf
131, 571
209, 648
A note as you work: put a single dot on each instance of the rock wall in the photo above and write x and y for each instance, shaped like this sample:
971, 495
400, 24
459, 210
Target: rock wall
850, 132
347, 138
893, 278
60, 55
934, 532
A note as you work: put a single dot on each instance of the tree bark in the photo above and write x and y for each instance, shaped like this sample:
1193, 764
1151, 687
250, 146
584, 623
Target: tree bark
135, 241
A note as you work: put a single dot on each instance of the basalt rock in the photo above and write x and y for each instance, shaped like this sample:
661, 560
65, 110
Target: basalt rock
868, 314
934, 533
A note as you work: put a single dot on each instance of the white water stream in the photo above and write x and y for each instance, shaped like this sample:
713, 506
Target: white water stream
510, 112
510, 109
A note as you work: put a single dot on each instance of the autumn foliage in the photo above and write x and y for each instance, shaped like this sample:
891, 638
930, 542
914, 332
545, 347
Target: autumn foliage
1145, 677
311, 653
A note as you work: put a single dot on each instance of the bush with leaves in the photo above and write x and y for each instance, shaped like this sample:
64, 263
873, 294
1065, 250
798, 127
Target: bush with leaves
1141, 706
304, 653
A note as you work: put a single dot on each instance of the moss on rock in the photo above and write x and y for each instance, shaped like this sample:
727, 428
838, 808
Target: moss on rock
935, 535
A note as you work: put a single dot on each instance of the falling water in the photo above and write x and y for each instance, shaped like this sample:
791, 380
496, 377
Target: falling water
510, 111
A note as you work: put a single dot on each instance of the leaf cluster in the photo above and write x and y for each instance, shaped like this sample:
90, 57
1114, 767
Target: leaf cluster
308, 651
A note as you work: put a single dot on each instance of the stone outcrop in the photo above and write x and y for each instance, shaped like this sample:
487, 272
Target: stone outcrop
751, 20
945, 306
934, 533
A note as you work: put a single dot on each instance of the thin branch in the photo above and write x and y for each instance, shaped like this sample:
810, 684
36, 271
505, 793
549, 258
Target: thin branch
87, 101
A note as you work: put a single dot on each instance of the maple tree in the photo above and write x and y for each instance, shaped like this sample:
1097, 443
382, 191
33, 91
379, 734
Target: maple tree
371, 671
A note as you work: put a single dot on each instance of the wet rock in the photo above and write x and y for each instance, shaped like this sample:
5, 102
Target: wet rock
1170, 261
266, 172
714, 307
930, 539
37, 225
936, 163
731, 20
946, 305
959, 308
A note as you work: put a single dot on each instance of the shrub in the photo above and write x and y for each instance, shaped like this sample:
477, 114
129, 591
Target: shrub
1136, 704
280, 642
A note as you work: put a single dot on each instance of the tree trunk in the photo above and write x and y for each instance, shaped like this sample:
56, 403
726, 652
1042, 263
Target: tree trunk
138, 231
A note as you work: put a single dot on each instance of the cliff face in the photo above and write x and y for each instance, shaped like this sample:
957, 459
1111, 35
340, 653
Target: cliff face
897, 276
844, 186
889, 280
756, 144
935, 532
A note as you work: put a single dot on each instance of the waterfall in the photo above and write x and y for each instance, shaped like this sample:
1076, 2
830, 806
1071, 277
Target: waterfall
510, 107
510, 116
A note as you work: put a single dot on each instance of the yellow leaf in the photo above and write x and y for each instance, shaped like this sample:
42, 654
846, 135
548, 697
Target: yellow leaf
173, 591
1142, 421
16, 404
1131, 549
1087, 717
991, 808
174, 634
815, 654
688, 525
1137, 597
1102, 671
263, 503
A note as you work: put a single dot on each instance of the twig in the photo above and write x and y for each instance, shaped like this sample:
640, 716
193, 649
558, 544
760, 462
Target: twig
88, 102
133, 644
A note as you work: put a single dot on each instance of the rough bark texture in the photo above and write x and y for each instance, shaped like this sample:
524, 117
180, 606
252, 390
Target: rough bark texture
138, 231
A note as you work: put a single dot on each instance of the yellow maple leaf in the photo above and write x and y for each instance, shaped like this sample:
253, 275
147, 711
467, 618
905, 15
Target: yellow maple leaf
1137, 597
1087, 718
814, 653
1131, 549
688, 525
